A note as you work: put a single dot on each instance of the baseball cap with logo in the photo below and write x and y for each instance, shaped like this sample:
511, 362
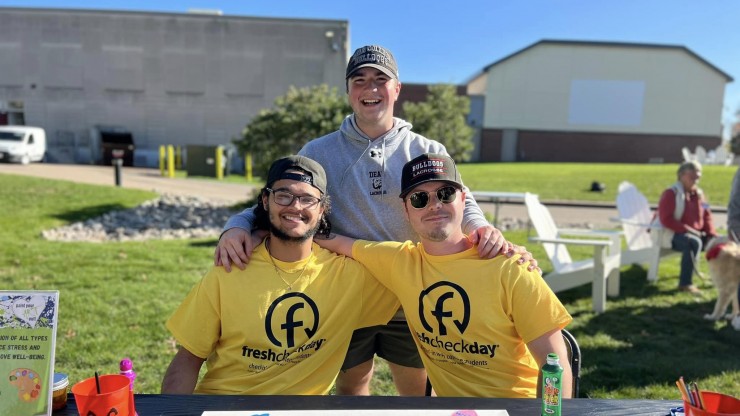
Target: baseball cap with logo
426, 168
313, 175
373, 56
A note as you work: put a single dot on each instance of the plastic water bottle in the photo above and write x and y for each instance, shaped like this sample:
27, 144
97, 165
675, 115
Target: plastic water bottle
552, 382
127, 369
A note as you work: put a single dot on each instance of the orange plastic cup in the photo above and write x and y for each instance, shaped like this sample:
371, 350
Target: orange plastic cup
114, 394
715, 404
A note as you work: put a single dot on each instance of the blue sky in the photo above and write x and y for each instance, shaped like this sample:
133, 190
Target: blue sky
450, 41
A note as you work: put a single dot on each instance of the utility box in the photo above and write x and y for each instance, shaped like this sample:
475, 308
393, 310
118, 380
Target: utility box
201, 160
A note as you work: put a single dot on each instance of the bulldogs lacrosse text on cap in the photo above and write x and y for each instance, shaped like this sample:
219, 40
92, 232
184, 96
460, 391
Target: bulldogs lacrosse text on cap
373, 56
429, 167
314, 176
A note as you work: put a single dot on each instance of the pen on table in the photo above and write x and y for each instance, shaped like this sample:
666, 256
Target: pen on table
681, 390
685, 389
699, 399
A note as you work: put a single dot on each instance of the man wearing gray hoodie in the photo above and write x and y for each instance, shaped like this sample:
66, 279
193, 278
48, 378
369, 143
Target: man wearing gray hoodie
363, 161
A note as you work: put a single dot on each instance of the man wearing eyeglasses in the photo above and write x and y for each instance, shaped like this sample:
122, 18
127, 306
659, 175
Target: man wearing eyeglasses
363, 160
282, 325
483, 327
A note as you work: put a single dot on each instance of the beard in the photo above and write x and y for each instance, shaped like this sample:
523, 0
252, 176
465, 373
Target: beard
283, 236
439, 234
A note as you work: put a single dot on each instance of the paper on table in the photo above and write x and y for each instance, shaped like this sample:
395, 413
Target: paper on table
363, 412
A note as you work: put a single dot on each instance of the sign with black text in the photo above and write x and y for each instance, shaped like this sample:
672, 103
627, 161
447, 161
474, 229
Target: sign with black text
28, 323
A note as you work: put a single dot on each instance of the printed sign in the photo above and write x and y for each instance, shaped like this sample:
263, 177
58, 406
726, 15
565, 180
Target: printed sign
28, 322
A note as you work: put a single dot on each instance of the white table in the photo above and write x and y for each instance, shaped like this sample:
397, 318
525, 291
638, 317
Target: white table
496, 198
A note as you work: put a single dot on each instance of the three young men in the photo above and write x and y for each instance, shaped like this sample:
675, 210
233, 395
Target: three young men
363, 160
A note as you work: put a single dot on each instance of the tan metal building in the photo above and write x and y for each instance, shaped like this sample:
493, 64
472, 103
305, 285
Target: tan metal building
577, 101
166, 78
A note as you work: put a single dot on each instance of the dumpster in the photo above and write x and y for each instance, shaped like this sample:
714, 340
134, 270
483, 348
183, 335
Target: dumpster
117, 145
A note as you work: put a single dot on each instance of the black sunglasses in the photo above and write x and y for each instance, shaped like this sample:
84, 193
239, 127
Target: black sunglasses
445, 194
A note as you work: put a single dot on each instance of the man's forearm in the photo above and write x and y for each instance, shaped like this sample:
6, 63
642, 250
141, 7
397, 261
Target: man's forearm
244, 220
179, 381
182, 374
473, 217
337, 243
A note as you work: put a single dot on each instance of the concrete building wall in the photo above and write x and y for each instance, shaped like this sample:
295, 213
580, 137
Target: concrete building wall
167, 78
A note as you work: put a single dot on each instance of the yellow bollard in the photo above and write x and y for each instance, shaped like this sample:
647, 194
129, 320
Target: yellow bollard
219, 162
178, 157
170, 161
248, 166
161, 160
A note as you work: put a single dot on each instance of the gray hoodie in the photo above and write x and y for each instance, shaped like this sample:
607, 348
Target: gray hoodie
364, 181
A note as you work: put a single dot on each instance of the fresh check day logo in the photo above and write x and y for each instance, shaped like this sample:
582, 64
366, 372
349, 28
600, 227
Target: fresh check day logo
292, 313
447, 300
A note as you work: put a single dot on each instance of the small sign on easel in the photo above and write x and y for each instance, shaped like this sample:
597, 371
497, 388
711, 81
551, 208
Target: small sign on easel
28, 323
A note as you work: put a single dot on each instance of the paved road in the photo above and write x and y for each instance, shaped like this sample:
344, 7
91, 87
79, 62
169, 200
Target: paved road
229, 193
137, 178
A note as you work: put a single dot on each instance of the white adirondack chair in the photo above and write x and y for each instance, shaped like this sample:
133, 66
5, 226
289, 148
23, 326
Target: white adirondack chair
687, 155
602, 270
636, 216
700, 154
723, 156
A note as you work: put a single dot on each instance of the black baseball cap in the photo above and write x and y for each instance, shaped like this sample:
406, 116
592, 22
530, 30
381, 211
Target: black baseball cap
313, 175
426, 168
374, 56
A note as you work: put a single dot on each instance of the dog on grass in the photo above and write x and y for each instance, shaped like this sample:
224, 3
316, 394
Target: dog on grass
723, 257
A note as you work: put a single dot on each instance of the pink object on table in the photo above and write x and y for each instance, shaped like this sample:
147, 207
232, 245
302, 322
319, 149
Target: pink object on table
127, 369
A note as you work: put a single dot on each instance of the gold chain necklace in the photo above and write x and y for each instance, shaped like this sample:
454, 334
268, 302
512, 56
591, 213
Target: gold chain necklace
278, 269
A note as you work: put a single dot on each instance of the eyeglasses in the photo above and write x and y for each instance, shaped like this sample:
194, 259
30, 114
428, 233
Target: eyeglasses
445, 195
286, 199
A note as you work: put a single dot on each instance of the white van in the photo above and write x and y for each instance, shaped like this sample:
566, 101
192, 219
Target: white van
22, 144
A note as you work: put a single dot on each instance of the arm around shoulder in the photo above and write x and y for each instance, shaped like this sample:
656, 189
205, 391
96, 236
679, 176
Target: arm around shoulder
237, 243
337, 243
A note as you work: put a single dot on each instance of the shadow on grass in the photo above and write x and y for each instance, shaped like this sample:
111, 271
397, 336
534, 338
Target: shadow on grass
204, 243
88, 212
650, 334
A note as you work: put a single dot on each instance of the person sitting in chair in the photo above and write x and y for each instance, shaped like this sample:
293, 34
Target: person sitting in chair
282, 325
483, 327
686, 220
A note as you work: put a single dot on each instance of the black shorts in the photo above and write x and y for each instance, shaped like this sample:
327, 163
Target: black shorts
392, 342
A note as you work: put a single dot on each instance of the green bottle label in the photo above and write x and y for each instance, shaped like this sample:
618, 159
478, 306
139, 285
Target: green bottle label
551, 387
551, 395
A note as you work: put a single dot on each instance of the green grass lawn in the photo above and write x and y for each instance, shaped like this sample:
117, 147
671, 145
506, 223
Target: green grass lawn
115, 297
572, 181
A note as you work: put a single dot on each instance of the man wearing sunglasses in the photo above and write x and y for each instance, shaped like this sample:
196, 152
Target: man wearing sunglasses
483, 327
282, 325
363, 160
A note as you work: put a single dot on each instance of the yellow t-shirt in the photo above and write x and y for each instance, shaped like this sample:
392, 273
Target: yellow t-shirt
260, 339
470, 318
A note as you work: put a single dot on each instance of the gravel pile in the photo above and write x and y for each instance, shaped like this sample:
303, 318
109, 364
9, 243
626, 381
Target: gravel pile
174, 217
166, 218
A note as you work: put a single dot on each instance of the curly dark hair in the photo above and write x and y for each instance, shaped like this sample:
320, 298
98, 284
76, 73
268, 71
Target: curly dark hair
262, 220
